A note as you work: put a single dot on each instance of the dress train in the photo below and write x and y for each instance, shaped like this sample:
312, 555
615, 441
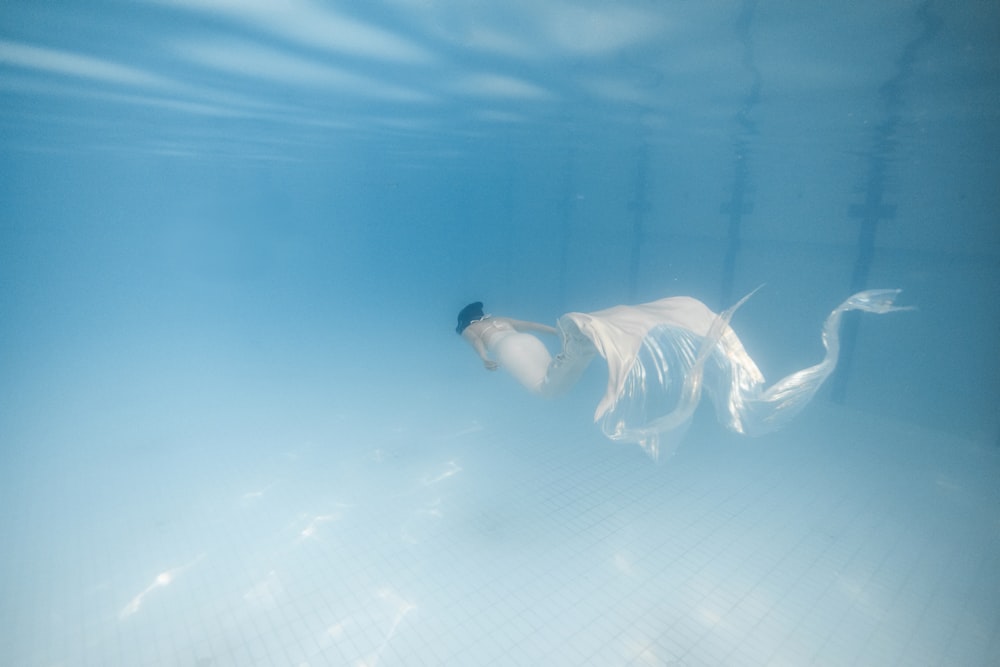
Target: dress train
662, 355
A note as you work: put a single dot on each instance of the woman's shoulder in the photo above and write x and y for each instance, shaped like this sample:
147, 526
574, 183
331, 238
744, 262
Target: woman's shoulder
489, 322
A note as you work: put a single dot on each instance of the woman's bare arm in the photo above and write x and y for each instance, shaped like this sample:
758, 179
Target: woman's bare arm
521, 325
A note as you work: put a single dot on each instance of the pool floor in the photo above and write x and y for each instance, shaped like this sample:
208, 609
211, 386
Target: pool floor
842, 540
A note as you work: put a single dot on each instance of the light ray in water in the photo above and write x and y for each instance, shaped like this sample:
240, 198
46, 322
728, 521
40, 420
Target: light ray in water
402, 608
451, 469
161, 580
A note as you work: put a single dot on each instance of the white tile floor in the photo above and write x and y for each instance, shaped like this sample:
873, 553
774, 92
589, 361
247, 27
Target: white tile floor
843, 540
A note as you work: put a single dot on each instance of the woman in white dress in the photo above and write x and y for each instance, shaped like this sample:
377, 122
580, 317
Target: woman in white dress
661, 356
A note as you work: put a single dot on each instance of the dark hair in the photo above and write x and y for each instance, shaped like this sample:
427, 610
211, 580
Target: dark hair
468, 315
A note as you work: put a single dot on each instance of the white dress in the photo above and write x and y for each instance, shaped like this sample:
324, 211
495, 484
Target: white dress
661, 356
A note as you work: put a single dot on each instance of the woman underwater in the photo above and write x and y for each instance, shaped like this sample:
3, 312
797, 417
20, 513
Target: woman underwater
661, 356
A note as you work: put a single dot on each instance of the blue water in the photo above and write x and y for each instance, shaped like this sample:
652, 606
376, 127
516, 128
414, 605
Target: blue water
236, 425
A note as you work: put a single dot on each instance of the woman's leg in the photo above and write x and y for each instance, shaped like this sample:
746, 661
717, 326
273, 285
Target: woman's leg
525, 357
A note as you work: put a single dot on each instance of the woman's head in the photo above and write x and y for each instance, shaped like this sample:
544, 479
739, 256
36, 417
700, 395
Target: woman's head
468, 315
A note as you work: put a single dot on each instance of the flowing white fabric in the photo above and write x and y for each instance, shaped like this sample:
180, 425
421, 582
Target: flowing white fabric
662, 355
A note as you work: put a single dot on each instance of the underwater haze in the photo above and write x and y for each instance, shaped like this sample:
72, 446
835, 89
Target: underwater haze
237, 426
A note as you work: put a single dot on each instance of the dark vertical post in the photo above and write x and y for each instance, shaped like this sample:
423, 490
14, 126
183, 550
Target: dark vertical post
638, 206
735, 208
739, 204
566, 208
873, 210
